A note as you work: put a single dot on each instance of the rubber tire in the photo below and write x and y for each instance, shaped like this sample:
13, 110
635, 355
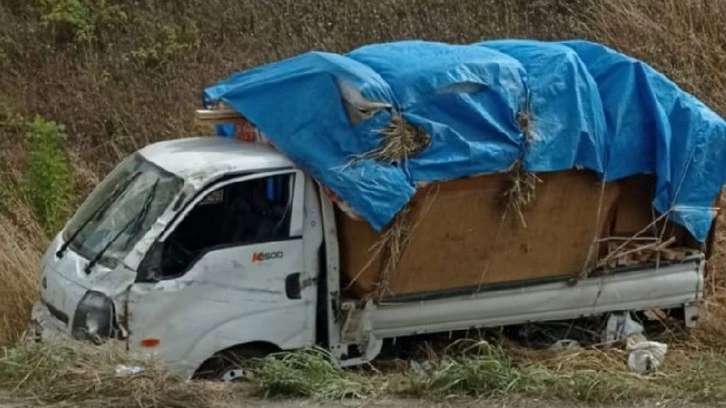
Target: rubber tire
215, 367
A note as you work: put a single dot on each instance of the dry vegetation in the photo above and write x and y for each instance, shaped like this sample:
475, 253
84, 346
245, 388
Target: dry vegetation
120, 74
90, 376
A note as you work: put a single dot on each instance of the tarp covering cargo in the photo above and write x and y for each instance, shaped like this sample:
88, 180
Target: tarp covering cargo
484, 108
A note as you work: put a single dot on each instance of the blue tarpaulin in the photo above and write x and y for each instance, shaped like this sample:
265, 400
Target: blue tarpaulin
587, 106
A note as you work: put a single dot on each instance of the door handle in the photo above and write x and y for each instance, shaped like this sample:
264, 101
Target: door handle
293, 288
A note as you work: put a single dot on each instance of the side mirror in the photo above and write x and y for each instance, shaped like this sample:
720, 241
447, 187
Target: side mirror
150, 267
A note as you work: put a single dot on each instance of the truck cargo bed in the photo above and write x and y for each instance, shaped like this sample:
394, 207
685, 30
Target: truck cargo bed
678, 285
460, 236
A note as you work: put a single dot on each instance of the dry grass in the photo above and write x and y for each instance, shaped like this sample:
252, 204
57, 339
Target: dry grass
520, 187
391, 245
481, 369
400, 140
22, 241
86, 375
18, 265
711, 330
519, 192
478, 369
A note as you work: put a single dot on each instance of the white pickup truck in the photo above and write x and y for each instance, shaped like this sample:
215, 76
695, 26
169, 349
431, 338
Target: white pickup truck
205, 251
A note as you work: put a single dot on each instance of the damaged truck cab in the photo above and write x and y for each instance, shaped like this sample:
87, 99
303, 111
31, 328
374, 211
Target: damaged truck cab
188, 248
201, 249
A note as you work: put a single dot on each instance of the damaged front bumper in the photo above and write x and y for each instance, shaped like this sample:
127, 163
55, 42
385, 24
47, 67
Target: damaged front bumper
44, 327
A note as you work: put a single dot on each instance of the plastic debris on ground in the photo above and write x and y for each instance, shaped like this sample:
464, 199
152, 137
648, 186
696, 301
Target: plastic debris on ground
565, 344
127, 371
620, 329
420, 367
620, 326
644, 356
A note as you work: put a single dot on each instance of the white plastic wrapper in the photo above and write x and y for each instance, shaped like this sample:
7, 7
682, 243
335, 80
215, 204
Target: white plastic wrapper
620, 326
645, 356
127, 371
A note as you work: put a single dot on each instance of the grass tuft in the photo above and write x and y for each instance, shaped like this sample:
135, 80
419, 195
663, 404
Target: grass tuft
311, 373
477, 369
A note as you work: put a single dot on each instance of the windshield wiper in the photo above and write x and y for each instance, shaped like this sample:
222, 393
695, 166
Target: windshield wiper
97, 213
136, 222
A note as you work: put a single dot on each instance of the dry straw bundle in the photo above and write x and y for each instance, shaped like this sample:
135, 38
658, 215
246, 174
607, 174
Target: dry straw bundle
519, 191
401, 140
391, 245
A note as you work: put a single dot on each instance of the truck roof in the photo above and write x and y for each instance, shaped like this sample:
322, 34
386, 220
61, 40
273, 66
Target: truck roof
206, 157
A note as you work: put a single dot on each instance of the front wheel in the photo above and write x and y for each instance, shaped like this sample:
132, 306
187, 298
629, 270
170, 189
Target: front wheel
231, 365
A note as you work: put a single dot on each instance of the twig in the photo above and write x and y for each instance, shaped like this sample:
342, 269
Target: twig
606, 239
654, 222
655, 246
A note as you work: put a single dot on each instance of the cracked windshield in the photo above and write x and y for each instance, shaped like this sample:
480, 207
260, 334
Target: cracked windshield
121, 210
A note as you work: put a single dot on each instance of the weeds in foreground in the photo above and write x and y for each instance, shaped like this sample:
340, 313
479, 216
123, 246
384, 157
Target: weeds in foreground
312, 373
477, 369
481, 370
86, 375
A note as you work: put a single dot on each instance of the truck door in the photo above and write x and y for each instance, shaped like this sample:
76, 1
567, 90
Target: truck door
230, 270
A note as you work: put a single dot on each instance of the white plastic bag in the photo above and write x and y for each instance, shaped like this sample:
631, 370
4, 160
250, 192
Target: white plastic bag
619, 326
126, 371
645, 356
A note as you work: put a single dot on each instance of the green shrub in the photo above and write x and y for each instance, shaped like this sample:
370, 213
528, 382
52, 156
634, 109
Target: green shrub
163, 43
48, 176
80, 20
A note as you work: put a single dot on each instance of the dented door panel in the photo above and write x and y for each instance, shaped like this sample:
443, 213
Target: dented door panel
230, 296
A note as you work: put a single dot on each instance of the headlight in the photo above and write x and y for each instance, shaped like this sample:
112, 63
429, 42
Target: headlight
94, 317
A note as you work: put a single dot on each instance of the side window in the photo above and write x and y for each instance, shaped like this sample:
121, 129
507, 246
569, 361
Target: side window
251, 211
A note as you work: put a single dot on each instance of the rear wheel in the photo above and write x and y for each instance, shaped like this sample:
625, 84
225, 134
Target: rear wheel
231, 365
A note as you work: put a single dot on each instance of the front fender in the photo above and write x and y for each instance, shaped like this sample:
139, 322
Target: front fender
251, 328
